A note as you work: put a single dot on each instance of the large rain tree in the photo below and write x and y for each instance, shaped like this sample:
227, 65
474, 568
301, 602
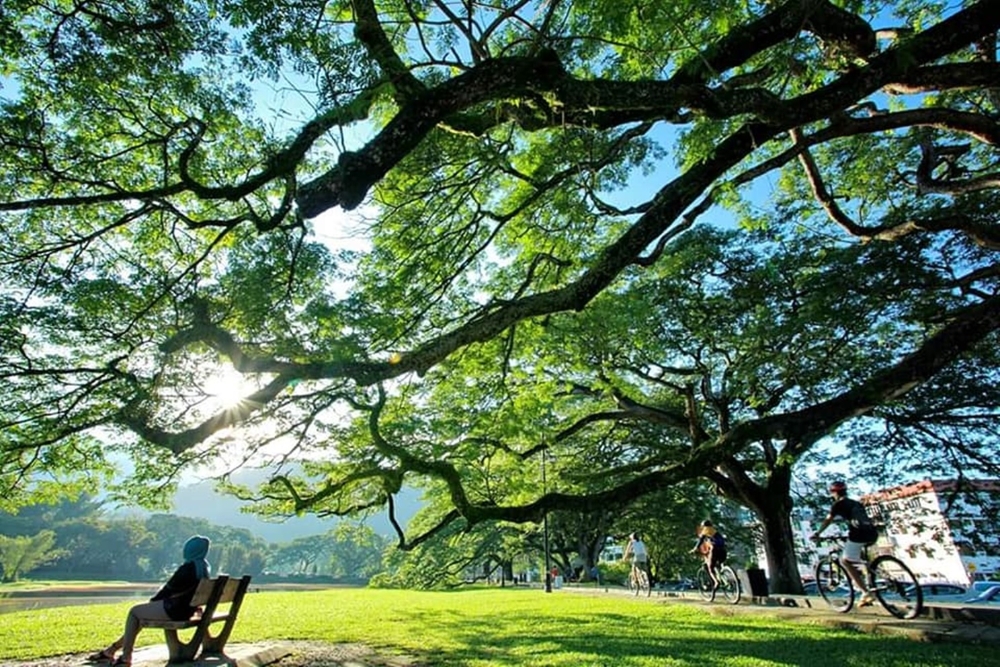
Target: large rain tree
760, 326
180, 179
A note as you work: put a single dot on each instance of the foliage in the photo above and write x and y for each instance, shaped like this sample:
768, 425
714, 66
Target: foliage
615, 573
668, 522
89, 542
529, 183
357, 551
455, 555
21, 555
351, 550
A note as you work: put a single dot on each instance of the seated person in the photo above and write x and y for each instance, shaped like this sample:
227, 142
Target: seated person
171, 603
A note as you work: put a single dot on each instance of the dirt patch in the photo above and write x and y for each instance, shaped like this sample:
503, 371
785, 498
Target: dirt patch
303, 654
320, 654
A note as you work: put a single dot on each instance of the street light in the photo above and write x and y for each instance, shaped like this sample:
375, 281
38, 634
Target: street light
545, 532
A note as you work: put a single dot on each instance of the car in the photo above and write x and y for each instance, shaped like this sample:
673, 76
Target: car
983, 586
810, 588
678, 585
989, 596
941, 592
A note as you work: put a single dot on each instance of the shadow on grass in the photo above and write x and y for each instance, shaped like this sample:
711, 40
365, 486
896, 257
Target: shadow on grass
655, 636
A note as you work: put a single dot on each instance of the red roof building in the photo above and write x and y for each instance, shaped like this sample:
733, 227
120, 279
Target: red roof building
945, 530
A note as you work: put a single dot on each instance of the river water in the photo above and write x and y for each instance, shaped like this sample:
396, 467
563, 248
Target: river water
41, 599
66, 596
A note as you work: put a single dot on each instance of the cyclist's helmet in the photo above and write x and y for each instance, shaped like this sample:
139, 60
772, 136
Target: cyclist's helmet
706, 523
839, 487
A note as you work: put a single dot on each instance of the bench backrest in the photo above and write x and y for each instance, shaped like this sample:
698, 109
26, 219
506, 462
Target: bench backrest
203, 593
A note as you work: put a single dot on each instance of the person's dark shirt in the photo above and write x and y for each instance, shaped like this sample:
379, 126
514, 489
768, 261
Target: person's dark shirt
178, 591
859, 526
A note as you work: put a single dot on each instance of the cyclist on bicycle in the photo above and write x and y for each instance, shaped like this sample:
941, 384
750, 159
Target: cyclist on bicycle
860, 533
636, 548
712, 546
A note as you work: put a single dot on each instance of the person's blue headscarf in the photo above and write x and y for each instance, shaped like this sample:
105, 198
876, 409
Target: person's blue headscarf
195, 550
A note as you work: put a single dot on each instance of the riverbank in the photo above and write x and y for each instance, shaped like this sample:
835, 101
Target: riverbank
44, 595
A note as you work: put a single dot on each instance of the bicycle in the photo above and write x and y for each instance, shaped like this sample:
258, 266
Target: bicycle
729, 584
889, 580
638, 579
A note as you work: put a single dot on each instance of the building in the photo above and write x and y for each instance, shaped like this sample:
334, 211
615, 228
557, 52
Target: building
612, 552
944, 530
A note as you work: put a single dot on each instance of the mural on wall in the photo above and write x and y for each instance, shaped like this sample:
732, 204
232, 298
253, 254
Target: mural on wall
944, 530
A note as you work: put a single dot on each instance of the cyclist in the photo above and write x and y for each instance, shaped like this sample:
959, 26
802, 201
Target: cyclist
636, 548
712, 546
860, 533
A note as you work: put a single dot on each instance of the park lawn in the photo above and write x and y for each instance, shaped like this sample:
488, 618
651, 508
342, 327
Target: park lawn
505, 627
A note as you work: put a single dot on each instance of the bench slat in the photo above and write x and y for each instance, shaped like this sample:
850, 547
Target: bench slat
204, 592
182, 625
209, 594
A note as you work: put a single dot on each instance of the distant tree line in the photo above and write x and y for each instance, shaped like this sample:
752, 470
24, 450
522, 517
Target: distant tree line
80, 539
459, 554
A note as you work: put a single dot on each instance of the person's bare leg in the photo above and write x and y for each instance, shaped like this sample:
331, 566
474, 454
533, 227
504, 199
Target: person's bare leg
711, 571
149, 611
107, 653
855, 574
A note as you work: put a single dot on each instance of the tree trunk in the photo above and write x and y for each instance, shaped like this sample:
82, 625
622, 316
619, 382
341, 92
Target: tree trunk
772, 505
779, 547
586, 553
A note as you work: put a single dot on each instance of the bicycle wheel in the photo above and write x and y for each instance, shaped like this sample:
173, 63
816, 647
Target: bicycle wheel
642, 581
834, 585
729, 584
705, 587
895, 587
630, 581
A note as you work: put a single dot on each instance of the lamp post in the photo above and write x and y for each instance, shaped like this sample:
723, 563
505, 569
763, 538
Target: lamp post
545, 532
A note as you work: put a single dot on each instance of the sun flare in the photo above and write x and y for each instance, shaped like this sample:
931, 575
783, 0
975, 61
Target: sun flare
227, 388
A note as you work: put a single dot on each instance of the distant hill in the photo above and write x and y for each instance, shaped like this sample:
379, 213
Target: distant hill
200, 500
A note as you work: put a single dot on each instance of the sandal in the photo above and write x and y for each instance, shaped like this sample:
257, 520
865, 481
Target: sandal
101, 656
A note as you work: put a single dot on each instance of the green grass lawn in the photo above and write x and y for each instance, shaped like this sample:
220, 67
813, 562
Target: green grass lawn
501, 627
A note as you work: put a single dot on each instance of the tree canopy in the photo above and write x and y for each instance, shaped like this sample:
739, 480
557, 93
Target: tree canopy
530, 181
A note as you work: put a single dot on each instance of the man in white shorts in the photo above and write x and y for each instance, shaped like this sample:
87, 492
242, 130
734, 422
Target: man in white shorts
860, 533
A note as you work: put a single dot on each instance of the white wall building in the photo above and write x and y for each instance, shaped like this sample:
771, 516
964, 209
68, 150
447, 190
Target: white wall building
611, 552
945, 531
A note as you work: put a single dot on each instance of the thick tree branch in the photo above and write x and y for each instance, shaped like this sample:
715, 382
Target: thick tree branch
347, 184
368, 30
968, 328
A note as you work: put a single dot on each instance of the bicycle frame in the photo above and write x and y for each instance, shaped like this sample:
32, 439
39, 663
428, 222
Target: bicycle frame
729, 583
888, 579
639, 579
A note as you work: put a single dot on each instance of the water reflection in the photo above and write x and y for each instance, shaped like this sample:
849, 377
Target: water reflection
40, 599
11, 601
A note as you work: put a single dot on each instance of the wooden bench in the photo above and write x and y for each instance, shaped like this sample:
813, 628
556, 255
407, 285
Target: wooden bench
208, 596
